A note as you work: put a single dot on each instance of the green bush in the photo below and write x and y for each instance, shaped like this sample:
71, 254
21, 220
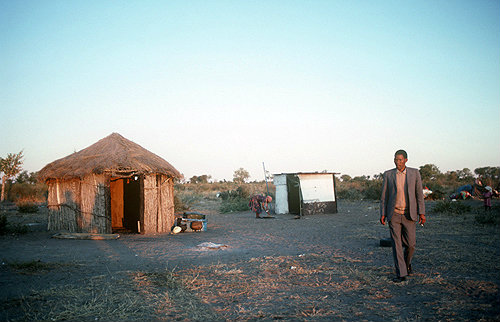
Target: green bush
179, 205
228, 194
244, 191
350, 194
233, 205
7, 228
373, 190
27, 206
451, 207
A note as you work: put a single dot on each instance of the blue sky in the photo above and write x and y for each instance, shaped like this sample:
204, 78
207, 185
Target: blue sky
212, 86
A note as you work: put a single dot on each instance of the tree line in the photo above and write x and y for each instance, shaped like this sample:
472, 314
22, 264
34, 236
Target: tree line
442, 184
24, 185
239, 176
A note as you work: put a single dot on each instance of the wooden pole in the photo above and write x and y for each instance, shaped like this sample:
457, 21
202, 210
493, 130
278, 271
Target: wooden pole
265, 177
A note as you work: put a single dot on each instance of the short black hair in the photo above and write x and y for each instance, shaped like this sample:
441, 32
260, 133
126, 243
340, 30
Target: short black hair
401, 152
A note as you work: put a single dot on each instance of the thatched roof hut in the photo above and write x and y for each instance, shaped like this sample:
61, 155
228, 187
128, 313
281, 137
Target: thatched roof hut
113, 185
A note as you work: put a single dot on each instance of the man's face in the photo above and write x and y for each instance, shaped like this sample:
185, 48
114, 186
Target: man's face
400, 162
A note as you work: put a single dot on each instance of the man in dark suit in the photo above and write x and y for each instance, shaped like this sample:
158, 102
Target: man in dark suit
402, 205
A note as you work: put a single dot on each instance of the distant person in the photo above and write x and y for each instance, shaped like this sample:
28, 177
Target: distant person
487, 198
402, 205
259, 203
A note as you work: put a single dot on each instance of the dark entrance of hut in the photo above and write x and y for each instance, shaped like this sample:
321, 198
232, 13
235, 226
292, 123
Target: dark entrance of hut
293, 189
125, 204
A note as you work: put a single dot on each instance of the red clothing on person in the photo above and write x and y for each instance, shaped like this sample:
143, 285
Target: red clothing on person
256, 204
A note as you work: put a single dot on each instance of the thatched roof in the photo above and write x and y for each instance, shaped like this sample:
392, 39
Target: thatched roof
115, 155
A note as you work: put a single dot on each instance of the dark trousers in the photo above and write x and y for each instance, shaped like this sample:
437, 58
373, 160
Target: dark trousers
403, 235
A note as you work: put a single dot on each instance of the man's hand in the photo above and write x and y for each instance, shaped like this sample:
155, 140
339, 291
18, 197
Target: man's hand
382, 220
421, 219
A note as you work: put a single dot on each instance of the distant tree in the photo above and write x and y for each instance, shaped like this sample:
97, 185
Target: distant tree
489, 175
362, 178
465, 174
204, 178
23, 177
451, 176
345, 178
200, 179
10, 166
241, 175
429, 172
27, 177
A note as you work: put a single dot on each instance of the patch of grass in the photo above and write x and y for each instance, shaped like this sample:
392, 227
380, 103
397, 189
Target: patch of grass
451, 207
3, 224
332, 286
491, 217
126, 296
34, 267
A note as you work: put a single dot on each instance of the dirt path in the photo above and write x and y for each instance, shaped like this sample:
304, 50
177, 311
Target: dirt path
320, 267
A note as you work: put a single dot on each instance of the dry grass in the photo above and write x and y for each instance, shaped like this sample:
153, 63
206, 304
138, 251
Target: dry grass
128, 296
283, 287
458, 280
333, 287
35, 267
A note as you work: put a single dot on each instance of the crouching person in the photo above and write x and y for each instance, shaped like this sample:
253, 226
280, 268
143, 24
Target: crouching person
259, 203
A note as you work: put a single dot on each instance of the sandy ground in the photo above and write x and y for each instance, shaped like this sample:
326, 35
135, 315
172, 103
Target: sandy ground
244, 236
451, 251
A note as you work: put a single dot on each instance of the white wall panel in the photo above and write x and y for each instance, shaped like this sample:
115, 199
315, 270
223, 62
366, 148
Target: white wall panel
317, 187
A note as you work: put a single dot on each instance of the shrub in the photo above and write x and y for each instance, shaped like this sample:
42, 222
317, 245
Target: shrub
6, 228
27, 206
243, 191
436, 195
373, 190
25, 191
228, 194
451, 207
350, 194
234, 204
179, 205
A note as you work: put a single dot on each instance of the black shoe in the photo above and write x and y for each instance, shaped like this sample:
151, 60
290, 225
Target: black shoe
409, 270
399, 279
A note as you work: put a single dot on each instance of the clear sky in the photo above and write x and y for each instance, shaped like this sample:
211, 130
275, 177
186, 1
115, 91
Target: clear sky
212, 86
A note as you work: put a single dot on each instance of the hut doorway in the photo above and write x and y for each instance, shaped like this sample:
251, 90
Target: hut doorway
125, 204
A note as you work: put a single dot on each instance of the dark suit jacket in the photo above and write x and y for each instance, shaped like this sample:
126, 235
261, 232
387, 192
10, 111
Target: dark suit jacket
415, 200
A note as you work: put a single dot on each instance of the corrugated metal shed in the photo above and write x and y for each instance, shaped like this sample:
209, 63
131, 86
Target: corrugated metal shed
305, 193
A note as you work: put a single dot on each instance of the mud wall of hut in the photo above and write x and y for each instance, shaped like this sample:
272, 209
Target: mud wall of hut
158, 215
79, 205
85, 205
